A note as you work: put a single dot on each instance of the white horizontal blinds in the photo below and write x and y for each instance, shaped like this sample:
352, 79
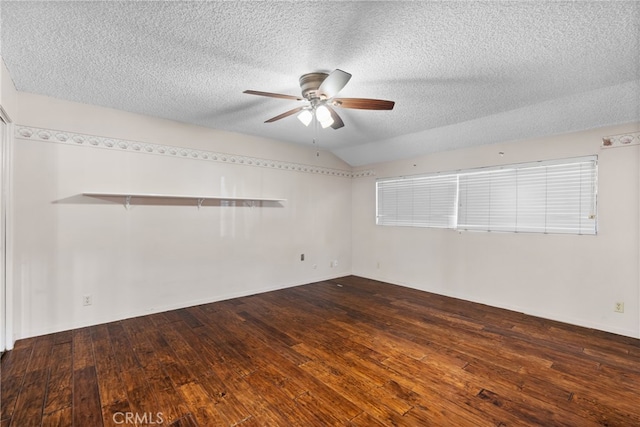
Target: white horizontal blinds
571, 203
423, 201
488, 201
439, 197
558, 197
532, 215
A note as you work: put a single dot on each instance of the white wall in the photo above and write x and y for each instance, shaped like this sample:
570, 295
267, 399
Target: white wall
160, 256
576, 279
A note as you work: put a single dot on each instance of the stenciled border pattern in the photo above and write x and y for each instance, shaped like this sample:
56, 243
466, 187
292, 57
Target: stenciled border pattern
93, 141
621, 140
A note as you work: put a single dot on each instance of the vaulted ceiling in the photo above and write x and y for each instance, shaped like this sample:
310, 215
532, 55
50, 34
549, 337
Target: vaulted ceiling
461, 73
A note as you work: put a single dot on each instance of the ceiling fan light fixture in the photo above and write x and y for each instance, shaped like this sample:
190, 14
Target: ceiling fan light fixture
319, 90
305, 117
324, 116
325, 124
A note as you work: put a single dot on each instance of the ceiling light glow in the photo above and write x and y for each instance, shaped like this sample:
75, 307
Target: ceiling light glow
305, 117
324, 116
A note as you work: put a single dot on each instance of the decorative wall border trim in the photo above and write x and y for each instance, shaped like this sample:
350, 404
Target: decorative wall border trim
93, 141
621, 140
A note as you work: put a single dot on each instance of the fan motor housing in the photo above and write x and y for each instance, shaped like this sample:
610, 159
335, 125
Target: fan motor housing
309, 83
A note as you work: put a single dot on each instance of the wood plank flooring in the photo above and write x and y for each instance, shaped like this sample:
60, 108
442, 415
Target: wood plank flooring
346, 352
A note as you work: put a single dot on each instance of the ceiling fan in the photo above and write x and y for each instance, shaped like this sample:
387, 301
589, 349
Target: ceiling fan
320, 89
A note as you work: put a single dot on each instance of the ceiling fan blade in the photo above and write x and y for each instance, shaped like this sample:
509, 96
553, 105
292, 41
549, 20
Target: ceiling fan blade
334, 83
273, 95
337, 121
363, 103
285, 114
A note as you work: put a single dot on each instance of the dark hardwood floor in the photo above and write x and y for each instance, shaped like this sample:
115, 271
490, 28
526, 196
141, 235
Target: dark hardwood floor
350, 352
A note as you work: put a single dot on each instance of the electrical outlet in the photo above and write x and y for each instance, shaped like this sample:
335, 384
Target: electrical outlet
619, 307
301, 257
334, 263
87, 300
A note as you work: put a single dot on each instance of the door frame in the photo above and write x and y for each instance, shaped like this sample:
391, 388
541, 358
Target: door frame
6, 290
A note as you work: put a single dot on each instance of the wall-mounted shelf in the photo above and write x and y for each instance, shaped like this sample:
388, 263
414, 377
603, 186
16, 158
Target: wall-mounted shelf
199, 200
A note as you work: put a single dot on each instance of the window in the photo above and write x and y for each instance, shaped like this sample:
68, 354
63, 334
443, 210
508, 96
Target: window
424, 201
543, 197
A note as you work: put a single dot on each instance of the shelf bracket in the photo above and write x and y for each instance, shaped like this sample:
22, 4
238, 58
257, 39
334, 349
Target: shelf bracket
127, 202
200, 202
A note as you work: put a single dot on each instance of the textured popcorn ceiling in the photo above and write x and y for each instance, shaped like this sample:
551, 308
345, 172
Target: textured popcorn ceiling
461, 73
